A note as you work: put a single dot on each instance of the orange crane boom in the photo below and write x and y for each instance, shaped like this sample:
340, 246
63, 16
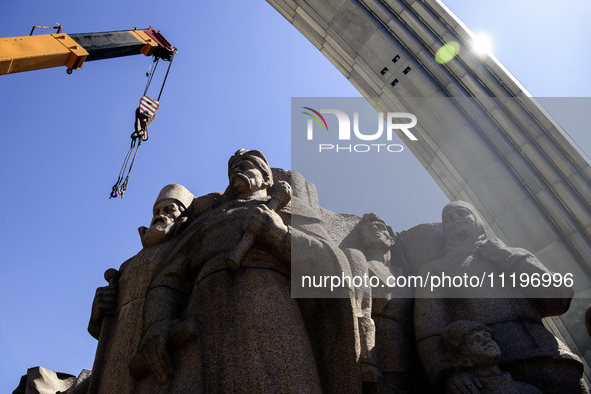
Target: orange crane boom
27, 53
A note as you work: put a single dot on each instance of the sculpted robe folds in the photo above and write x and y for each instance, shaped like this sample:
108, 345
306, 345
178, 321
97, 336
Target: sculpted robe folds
252, 336
126, 325
391, 312
530, 352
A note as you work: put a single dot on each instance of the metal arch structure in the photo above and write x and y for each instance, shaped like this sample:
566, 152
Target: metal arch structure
502, 152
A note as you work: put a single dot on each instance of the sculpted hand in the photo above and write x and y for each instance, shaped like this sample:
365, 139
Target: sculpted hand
370, 373
463, 383
183, 332
104, 303
494, 250
153, 356
265, 225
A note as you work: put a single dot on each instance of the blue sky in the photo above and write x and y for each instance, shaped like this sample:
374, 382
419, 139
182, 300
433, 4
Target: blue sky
239, 63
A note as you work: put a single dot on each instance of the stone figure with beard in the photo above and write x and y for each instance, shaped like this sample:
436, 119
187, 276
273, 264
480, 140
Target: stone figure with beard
214, 328
125, 301
531, 353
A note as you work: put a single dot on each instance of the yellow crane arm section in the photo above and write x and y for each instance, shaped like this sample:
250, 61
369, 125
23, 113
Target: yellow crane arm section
27, 53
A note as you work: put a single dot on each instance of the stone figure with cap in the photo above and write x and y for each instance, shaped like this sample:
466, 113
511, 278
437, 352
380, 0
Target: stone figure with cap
168, 218
530, 353
220, 321
122, 303
473, 352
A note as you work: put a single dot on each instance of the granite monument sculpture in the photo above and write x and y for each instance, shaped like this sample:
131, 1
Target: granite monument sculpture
241, 329
122, 303
472, 350
390, 353
215, 302
531, 353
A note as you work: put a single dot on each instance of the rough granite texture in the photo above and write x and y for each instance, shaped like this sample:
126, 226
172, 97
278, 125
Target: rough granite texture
181, 319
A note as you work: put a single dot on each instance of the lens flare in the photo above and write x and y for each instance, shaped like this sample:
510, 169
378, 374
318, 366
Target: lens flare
447, 52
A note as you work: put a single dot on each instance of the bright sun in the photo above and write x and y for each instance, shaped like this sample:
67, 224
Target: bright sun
482, 44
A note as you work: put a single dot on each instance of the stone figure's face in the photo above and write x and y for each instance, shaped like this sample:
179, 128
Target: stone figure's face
166, 213
245, 177
459, 223
375, 235
480, 349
